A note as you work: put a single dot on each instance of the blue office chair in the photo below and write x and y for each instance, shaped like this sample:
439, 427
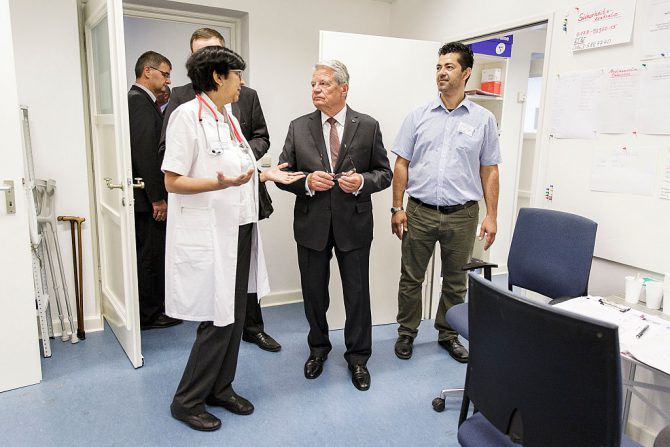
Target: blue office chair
551, 254
538, 375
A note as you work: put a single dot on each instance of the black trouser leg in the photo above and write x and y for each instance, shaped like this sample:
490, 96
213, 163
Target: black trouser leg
314, 278
150, 249
213, 360
354, 270
253, 319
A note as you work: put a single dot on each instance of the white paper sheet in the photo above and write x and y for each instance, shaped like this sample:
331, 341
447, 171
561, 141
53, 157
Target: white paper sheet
628, 170
653, 107
574, 105
618, 99
602, 23
651, 348
656, 34
665, 184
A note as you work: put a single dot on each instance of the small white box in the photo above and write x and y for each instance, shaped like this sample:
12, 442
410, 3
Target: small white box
491, 80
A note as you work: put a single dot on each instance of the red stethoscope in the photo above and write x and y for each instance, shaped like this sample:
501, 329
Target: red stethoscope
234, 133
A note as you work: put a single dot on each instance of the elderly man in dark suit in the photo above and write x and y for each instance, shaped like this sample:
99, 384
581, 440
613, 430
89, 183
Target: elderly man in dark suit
248, 112
152, 76
344, 154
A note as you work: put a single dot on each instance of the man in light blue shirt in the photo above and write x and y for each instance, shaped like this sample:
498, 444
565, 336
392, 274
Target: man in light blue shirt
447, 161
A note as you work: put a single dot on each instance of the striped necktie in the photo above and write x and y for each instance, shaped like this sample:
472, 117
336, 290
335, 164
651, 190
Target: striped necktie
334, 143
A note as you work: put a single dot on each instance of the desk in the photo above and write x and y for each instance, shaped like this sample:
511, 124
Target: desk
630, 383
588, 306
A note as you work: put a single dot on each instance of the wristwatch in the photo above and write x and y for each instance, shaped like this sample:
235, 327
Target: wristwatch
395, 210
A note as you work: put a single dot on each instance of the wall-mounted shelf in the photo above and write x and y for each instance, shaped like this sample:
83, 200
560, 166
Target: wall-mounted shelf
484, 98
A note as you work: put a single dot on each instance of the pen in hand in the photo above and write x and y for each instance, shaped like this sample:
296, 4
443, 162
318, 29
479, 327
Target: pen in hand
642, 331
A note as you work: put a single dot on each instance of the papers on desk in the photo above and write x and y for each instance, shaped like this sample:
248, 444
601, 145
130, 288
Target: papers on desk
651, 348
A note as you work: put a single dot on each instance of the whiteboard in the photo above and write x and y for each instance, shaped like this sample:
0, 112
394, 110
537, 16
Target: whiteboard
389, 78
631, 228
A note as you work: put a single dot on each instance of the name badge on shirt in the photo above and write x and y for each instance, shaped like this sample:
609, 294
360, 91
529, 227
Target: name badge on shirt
466, 129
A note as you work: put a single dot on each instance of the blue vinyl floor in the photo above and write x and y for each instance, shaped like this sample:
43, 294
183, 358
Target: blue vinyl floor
91, 395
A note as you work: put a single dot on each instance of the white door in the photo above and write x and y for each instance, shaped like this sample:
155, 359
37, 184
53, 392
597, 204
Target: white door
19, 345
105, 54
404, 75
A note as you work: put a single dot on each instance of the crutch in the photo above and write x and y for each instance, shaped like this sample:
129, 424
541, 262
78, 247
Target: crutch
43, 255
78, 271
50, 230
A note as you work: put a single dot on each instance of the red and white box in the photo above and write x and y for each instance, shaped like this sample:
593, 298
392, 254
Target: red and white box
491, 80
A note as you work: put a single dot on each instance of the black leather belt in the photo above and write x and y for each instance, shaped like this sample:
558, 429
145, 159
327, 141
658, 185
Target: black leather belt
444, 209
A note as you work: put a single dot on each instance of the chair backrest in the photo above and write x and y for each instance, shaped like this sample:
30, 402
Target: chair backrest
541, 374
551, 253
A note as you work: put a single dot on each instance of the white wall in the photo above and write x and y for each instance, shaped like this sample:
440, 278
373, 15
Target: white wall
46, 45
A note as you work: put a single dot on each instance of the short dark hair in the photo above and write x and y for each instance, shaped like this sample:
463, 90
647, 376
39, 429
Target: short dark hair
150, 59
466, 58
203, 63
206, 33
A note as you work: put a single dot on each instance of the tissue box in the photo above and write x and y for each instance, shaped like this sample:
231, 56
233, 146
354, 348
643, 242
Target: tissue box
491, 80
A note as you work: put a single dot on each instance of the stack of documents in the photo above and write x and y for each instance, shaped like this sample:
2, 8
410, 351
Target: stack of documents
642, 336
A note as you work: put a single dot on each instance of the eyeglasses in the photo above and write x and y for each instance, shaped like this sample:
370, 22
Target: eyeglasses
348, 168
238, 73
166, 74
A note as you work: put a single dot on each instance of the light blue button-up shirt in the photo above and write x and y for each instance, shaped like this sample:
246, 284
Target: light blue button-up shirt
445, 151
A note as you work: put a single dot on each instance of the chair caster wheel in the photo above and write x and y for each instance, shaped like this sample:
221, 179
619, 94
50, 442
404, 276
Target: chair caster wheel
438, 404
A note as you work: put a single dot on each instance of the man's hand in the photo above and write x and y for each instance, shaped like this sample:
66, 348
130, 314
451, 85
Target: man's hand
488, 228
350, 183
320, 181
227, 182
399, 223
160, 210
275, 174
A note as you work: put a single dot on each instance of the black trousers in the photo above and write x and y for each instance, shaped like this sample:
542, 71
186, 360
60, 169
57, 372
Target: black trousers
211, 366
314, 278
253, 320
150, 247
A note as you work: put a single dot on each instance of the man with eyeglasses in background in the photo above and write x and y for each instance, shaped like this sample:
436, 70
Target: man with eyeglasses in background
248, 112
152, 77
343, 153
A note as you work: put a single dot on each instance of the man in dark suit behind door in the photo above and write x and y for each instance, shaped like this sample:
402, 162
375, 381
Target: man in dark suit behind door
343, 153
248, 112
152, 76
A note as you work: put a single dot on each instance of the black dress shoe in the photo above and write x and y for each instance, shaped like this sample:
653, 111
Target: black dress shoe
263, 340
360, 377
160, 322
455, 349
314, 366
203, 422
235, 404
403, 347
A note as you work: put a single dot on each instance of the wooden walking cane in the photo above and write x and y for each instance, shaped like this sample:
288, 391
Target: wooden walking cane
78, 271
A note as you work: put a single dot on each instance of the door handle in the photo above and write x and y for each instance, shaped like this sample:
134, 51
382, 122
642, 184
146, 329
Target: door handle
139, 184
8, 188
110, 185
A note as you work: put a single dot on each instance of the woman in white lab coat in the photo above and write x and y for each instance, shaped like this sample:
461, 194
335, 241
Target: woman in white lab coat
214, 254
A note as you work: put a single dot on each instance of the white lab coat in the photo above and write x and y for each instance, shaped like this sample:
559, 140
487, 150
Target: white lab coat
202, 229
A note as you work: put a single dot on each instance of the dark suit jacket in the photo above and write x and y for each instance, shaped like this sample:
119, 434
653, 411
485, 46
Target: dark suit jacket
146, 122
247, 110
350, 215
